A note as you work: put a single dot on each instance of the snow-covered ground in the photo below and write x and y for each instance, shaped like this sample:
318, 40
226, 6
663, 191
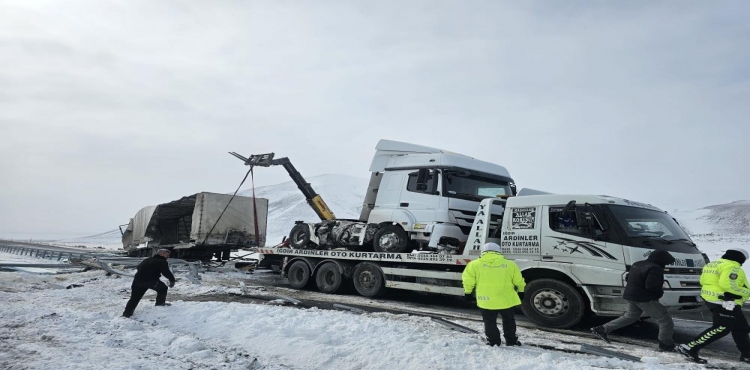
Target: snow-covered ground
44, 326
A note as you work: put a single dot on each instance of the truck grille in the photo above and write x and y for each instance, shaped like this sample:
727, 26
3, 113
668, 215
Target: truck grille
683, 270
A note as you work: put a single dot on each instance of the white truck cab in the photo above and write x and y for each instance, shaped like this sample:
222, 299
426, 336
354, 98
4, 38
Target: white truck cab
432, 194
576, 250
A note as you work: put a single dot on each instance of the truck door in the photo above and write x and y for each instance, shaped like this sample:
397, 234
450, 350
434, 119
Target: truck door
564, 239
420, 197
520, 236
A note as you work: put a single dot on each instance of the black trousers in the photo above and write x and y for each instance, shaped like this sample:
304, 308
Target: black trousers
138, 290
490, 325
725, 322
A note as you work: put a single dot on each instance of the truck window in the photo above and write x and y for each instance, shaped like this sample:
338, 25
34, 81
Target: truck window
464, 185
644, 223
565, 222
431, 181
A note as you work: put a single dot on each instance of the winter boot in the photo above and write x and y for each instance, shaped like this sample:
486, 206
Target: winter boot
163, 304
493, 343
601, 333
512, 341
663, 347
689, 353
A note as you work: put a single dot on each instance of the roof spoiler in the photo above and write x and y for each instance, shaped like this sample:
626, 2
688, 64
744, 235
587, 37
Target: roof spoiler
528, 191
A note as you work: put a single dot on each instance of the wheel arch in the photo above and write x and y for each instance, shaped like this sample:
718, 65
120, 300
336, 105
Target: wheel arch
345, 268
310, 264
533, 273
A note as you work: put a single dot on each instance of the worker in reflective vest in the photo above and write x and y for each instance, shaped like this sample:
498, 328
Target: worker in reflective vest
497, 284
725, 288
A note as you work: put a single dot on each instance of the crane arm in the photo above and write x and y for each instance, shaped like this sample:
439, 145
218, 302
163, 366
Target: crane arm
313, 199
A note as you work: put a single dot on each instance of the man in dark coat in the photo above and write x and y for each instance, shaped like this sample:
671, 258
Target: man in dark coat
644, 288
147, 277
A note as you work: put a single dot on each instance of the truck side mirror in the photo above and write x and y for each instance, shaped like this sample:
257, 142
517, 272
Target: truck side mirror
422, 175
585, 220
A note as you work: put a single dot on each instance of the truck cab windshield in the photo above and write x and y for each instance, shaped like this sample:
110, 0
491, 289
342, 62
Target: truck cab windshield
465, 185
652, 228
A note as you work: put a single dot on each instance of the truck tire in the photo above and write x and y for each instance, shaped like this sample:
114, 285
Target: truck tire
368, 280
391, 239
299, 237
553, 303
298, 275
328, 278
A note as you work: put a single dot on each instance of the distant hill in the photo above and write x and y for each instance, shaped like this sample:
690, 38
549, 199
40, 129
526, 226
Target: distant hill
726, 220
718, 227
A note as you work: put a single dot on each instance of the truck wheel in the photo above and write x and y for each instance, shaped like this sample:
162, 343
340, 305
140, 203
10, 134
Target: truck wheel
298, 275
368, 280
299, 237
553, 303
329, 278
391, 239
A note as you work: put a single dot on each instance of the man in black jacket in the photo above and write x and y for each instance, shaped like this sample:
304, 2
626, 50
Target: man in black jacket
147, 277
643, 290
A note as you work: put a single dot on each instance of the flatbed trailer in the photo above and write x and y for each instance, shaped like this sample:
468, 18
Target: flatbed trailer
574, 252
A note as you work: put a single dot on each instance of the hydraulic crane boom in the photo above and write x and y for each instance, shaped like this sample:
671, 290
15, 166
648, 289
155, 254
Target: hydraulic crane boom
313, 199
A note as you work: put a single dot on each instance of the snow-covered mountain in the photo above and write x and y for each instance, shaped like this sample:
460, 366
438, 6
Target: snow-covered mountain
286, 204
718, 227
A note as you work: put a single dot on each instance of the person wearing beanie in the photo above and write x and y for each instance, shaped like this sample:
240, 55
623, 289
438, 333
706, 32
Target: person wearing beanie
645, 285
497, 284
724, 288
147, 277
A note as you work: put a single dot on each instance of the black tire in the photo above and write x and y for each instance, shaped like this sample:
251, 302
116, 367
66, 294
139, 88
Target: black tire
298, 275
553, 303
328, 278
299, 237
368, 280
391, 239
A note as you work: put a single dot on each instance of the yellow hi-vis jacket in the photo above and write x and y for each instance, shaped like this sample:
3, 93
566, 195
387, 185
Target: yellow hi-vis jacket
496, 280
722, 276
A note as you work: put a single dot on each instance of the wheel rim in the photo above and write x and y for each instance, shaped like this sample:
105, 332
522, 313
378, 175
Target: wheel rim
367, 279
298, 274
388, 241
328, 278
551, 302
299, 238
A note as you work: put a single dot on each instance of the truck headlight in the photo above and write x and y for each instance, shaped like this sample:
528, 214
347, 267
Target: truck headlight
420, 226
666, 285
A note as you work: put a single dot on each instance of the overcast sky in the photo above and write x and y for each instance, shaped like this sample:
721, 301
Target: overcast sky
109, 106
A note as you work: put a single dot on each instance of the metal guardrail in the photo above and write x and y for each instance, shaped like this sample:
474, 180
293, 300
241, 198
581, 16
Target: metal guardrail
43, 253
98, 260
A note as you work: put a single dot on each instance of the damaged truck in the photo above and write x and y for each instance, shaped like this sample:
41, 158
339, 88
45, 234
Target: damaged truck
418, 198
198, 227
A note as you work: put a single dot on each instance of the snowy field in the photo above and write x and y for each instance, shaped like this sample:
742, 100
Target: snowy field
45, 326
